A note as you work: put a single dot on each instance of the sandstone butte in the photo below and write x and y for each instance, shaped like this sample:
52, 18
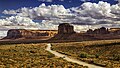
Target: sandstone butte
65, 32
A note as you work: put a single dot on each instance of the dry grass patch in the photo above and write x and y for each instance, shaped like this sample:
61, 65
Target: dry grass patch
103, 53
31, 56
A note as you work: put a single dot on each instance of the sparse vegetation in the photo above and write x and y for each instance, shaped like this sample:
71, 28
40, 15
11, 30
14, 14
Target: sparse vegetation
104, 53
83, 55
116, 57
31, 56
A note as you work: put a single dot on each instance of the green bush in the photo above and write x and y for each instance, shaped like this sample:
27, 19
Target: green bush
83, 55
51, 56
92, 56
97, 55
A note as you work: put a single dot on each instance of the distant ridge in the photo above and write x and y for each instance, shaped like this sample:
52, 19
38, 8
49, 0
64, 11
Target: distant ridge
65, 32
30, 34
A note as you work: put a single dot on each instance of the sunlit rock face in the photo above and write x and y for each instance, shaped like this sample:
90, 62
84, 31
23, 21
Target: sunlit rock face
115, 31
65, 28
66, 32
18, 33
29, 34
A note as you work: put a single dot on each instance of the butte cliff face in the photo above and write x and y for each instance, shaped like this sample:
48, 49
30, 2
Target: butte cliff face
66, 32
29, 34
65, 28
101, 30
17, 33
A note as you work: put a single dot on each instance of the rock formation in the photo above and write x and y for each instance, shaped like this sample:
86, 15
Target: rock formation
22, 33
65, 28
65, 33
101, 30
114, 31
17, 33
90, 31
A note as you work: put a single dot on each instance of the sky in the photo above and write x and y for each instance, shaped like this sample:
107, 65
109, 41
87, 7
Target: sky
15, 4
48, 14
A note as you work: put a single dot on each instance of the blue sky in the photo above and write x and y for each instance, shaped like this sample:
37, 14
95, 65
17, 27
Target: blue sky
45, 15
15, 4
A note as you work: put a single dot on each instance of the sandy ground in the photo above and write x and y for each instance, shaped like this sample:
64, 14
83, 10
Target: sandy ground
70, 59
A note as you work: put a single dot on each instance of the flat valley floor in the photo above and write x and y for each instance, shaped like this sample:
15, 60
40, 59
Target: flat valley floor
104, 53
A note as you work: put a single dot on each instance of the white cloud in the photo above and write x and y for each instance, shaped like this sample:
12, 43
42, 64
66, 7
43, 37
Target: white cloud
88, 15
9, 12
41, 11
17, 20
4, 22
93, 9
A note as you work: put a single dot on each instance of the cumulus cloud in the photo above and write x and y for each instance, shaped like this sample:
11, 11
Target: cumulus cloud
17, 20
100, 10
88, 15
13, 12
42, 11
94, 10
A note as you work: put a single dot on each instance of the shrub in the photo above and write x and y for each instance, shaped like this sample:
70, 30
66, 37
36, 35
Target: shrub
97, 55
116, 57
92, 56
51, 56
83, 55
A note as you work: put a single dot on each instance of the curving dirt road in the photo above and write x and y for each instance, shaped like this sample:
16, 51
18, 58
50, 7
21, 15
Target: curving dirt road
70, 59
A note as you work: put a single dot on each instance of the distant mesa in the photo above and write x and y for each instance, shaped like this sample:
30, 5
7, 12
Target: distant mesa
30, 34
65, 32
101, 30
65, 28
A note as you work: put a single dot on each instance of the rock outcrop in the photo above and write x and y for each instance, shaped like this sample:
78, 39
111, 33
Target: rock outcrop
28, 34
17, 33
101, 30
65, 28
65, 33
115, 31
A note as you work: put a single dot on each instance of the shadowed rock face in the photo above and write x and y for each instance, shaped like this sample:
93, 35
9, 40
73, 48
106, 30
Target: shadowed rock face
17, 33
101, 30
12, 34
66, 32
22, 33
65, 28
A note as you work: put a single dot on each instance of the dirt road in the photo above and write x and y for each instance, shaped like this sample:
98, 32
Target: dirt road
70, 59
